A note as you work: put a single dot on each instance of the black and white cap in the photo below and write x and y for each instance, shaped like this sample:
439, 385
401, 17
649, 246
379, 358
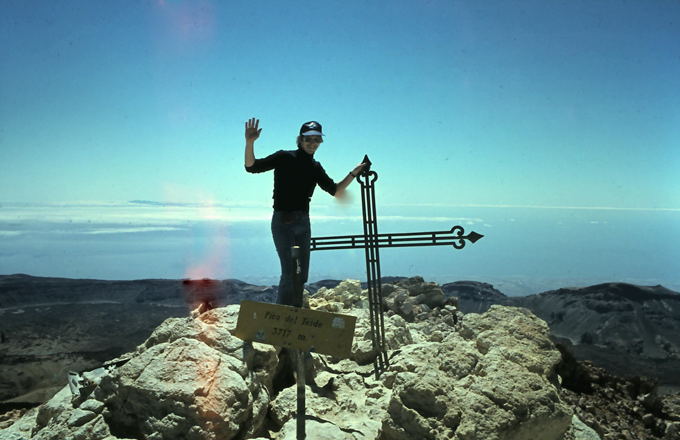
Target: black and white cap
311, 128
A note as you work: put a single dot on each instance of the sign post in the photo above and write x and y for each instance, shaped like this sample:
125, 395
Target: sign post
299, 330
299, 354
301, 404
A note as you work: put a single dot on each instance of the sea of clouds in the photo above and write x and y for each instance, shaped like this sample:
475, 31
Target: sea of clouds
525, 249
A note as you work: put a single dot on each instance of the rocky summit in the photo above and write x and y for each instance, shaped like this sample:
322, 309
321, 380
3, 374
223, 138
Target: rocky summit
485, 376
494, 375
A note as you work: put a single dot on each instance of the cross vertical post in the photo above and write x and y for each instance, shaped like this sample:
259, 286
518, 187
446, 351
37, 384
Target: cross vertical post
367, 180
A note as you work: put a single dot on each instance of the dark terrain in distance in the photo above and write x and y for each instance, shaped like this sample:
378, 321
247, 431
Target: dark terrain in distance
50, 326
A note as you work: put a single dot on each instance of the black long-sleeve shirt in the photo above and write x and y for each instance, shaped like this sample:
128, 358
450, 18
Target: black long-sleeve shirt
296, 174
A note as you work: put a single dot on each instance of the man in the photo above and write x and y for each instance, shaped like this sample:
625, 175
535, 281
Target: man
296, 175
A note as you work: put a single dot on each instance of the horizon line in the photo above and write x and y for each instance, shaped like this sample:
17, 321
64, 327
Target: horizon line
250, 204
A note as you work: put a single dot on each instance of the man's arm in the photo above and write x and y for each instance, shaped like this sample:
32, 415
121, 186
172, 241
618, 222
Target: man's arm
344, 183
258, 165
252, 133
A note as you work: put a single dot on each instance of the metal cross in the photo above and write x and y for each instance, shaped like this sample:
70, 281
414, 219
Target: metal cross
371, 241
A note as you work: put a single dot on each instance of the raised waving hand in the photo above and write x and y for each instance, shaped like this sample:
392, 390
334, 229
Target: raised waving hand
252, 129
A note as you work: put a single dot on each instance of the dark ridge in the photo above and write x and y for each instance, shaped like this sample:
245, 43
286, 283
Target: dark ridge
9, 406
614, 291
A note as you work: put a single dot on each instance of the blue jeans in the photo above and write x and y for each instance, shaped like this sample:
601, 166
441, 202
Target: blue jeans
291, 228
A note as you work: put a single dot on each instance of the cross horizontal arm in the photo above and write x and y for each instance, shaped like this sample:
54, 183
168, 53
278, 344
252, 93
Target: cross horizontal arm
453, 237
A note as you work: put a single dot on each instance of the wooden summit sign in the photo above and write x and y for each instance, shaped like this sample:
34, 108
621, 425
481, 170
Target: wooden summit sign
296, 328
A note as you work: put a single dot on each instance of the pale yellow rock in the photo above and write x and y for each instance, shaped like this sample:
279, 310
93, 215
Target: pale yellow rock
489, 377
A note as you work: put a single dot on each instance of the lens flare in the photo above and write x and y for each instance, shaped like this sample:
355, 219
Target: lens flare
187, 22
203, 293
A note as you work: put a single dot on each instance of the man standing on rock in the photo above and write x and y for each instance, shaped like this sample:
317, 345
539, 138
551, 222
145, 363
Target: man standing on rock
296, 175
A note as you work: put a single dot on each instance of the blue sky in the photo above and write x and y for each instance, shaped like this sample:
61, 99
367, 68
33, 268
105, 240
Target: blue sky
569, 103
126, 118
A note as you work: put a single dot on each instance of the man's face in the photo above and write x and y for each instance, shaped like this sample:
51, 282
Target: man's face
311, 143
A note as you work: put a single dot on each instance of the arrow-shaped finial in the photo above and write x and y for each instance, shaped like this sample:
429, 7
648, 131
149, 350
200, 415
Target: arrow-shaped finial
473, 236
368, 163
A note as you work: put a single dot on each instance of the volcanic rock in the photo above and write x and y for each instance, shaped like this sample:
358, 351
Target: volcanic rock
491, 376
473, 296
614, 406
629, 330
413, 299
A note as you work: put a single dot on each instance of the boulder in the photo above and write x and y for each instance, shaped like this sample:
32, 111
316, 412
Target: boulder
413, 298
356, 406
489, 382
672, 431
191, 379
397, 335
344, 296
195, 390
314, 429
670, 406
581, 431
